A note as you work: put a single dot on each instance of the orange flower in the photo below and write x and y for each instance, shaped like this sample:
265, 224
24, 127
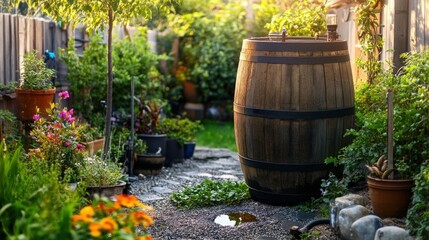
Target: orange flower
80, 218
148, 237
95, 229
130, 201
142, 218
87, 211
109, 224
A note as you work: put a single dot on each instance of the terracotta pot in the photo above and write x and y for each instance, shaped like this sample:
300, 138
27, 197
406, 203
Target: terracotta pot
390, 198
110, 191
94, 146
190, 91
27, 100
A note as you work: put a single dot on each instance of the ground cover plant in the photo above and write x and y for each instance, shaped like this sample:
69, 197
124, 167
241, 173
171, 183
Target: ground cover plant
209, 193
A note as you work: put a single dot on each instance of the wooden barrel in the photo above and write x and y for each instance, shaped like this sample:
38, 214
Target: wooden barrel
293, 102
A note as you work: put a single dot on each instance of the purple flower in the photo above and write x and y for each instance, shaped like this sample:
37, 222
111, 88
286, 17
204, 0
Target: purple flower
63, 114
67, 144
64, 95
36, 117
79, 146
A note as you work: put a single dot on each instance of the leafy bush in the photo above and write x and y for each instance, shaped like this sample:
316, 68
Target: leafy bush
209, 193
87, 75
418, 215
303, 18
34, 204
182, 129
210, 45
411, 120
98, 172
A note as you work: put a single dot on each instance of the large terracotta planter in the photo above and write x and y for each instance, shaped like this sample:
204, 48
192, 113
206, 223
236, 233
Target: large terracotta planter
110, 191
28, 100
94, 146
390, 198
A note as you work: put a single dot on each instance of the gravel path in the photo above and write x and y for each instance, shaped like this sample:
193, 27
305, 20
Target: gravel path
273, 222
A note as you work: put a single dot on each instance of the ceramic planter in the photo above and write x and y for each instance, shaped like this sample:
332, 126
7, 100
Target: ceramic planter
109, 191
188, 149
148, 164
390, 198
154, 143
174, 152
28, 100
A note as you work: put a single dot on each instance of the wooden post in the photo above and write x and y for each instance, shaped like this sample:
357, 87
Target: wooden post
390, 130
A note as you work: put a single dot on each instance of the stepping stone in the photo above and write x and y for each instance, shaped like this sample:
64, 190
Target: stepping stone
185, 178
170, 182
150, 197
227, 176
209, 166
208, 175
162, 190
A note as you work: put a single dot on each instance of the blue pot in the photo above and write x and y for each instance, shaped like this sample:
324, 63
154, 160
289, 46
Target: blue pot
188, 149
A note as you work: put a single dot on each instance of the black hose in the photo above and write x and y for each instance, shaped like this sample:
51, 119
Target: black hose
297, 231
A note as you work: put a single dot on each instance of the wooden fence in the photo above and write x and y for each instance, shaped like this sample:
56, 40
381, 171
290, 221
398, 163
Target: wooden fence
19, 35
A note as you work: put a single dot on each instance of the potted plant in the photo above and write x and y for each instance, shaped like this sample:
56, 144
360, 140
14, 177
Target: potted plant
389, 197
190, 129
93, 139
35, 89
147, 128
102, 177
146, 164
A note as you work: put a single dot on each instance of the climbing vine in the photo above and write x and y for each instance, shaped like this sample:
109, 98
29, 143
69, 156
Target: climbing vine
371, 42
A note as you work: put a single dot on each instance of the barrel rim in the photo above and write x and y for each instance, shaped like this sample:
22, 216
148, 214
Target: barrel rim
294, 45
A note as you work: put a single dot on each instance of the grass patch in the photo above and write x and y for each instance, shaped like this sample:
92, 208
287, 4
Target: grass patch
217, 135
210, 193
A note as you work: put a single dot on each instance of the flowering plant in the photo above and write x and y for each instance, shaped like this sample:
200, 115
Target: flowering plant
57, 139
104, 219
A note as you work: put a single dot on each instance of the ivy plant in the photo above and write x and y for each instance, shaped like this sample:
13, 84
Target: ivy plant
209, 193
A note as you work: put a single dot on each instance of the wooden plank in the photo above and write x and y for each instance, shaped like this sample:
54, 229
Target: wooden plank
2, 52
412, 27
22, 39
330, 84
400, 32
426, 29
319, 85
39, 35
47, 37
272, 101
7, 48
306, 86
420, 22
14, 53
285, 87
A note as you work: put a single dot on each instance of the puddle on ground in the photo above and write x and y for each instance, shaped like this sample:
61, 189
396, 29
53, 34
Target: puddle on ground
234, 219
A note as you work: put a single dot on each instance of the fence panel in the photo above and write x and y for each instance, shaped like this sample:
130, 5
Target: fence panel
20, 35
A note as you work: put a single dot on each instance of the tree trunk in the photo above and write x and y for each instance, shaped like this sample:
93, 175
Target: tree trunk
109, 87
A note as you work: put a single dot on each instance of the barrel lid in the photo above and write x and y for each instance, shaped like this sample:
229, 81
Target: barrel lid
294, 44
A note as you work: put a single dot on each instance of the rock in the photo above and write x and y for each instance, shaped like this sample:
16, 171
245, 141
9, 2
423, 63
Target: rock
343, 202
392, 233
365, 227
347, 216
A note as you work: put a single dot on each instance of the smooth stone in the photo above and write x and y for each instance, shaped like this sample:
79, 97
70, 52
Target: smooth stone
344, 202
207, 175
392, 233
162, 190
347, 216
227, 176
150, 197
365, 227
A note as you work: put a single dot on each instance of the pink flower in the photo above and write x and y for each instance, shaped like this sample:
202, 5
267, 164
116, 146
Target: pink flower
63, 114
36, 117
64, 95
67, 144
79, 146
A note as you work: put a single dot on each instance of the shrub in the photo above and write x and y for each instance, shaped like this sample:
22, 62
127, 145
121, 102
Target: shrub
210, 45
34, 204
418, 215
411, 120
303, 18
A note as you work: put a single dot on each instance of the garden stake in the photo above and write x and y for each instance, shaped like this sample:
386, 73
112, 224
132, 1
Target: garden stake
390, 131
131, 177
